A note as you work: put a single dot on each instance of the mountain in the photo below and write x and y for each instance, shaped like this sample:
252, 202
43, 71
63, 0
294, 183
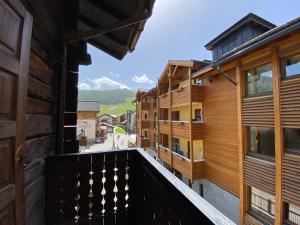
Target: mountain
111, 101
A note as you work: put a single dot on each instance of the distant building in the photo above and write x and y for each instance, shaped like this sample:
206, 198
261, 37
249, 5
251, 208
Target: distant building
108, 119
86, 114
130, 123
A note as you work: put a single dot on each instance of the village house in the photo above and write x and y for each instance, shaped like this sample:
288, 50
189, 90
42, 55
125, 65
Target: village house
87, 114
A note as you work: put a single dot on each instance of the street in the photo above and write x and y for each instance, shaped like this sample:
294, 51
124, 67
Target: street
121, 142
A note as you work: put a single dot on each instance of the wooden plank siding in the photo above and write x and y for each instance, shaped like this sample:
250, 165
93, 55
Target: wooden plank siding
197, 93
164, 126
260, 174
182, 165
180, 96
197, 130
180, 129
290, 103
258, 111
164, 101
40, 134
291, 179
220, 133
165, 155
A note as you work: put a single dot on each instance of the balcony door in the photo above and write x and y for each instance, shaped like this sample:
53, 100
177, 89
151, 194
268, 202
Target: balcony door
15, 35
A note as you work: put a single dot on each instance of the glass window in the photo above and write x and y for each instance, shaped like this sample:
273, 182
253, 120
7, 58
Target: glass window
259, 80
261, 141
293, 214
290, 66
292, 139
262, 204
175, 115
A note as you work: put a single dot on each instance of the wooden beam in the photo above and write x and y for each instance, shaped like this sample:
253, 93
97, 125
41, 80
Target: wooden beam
278, 136
191, 123
170, 116
241, 143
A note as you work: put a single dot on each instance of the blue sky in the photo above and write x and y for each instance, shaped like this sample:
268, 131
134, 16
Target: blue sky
178, 29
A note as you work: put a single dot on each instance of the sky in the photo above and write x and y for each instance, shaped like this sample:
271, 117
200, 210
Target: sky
178, 29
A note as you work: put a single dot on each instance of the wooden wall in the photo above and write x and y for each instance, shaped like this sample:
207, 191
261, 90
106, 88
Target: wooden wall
220, 132
40, 135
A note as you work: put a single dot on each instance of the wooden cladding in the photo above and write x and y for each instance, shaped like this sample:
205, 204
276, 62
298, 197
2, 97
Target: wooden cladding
164, 101
182, 165
291, 179
165, 155
181, 96
143, 106
259, 174
258, 111
198, 170
143, 142
290, 103
181, 129
145, 124
197, 93
197, 130
249, 220
164, 126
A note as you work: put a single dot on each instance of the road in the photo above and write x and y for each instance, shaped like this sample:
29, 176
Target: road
121, 142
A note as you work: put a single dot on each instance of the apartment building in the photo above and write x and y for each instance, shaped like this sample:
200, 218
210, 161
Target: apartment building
146, 119
232, 127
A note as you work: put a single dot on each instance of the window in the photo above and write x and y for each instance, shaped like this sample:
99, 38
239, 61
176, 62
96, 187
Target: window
290, 66
259, 80
145, 134
198, 115
292, 140
145, 116
292, 214
261, 142
262, 204
176, 116
176, 145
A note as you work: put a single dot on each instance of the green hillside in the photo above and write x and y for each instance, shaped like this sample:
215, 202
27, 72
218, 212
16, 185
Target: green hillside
112, 102
107, 96
118, 108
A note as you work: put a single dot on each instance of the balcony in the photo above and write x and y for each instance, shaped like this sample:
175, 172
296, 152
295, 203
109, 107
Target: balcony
143, 142
145, 124
181, 129
125, 187
143, 106
164, 154
197, 93
164, 101
197, 130
164, 126
181, 96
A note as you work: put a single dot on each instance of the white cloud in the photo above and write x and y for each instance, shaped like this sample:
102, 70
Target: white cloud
105, 83
84, 86
143, 79
114, 74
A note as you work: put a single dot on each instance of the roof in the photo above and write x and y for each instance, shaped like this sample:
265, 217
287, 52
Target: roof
261, 40
105, 115
112, 26
250, 18
196, 64
88, 106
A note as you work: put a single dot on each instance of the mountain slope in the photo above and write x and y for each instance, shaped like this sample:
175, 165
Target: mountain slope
112, 102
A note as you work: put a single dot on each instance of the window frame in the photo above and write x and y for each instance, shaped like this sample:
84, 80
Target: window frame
292, 151
281, 69
245, 74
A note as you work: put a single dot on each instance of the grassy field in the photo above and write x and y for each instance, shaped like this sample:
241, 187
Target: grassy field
119, 130
117, 108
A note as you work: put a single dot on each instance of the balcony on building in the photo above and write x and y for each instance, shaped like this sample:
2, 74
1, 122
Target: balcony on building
121, 187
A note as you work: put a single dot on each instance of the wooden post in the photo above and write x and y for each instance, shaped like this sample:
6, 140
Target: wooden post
241, 139
158, 123
191, 121
278, 136
170, 114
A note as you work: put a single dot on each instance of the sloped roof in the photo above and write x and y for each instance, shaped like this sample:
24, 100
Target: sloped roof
250, 18
88, 106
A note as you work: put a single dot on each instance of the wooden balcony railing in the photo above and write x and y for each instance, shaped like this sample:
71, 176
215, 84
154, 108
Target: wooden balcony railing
164, 101
181, 129
143, 142
197, 93
164, 154
164, 126
181, 96
197, 130
126, 187
145, 124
